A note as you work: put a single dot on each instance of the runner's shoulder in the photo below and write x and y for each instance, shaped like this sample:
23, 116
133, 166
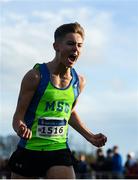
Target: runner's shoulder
31, 78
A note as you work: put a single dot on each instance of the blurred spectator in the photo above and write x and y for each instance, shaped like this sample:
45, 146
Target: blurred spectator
4, 170
108, 165
82, 167
131, 167
98, 165
130, 160
117, 164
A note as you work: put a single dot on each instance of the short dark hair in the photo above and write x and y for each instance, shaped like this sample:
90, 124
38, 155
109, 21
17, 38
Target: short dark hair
109, 151
64, 29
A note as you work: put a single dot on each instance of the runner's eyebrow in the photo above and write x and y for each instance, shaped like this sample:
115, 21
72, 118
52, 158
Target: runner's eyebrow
73, 42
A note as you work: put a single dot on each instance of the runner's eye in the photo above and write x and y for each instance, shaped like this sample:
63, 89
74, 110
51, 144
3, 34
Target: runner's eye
70, 43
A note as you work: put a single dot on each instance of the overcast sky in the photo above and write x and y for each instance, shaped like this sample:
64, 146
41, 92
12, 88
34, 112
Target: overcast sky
109, 103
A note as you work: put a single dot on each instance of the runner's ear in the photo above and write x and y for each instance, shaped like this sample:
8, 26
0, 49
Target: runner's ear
56, 46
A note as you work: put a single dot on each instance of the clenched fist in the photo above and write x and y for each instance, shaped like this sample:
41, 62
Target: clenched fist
24, 132
98, 140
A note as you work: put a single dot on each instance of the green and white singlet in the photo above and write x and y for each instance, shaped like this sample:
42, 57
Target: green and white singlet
48, 113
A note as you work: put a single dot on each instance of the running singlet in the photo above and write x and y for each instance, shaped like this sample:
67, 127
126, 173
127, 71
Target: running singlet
49, 111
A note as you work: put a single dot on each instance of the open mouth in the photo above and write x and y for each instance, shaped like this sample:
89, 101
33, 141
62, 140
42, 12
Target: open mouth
72, 57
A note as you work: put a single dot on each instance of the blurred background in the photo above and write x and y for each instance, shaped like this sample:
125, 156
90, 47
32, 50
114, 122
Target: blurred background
109, 61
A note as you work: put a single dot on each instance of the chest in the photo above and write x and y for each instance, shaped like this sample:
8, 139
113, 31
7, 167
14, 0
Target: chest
57, 100
60, 82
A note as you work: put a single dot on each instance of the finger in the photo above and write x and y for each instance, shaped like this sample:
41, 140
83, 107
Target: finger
101, 142
30, 134
24, 132
102, 138
101, 145
27, 134
98, 135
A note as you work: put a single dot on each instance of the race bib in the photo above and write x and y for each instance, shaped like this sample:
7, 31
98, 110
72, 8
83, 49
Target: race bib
51, 126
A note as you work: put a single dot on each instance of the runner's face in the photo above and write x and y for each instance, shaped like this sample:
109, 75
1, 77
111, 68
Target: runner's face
70, 49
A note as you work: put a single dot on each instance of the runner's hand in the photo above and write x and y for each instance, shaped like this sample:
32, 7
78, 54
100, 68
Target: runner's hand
98, 140
24, 132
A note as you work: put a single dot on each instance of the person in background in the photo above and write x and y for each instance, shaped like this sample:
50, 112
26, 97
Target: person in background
130, 166
108, 165
98, 165
117, 163
82, 167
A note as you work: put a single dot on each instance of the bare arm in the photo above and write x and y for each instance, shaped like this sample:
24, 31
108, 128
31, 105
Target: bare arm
96, 139
28, 87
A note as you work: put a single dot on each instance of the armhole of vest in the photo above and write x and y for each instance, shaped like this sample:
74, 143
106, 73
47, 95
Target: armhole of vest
75, 83
44, 73
43, 70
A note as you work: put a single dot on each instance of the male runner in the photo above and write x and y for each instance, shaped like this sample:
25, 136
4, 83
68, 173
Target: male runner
45, 107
